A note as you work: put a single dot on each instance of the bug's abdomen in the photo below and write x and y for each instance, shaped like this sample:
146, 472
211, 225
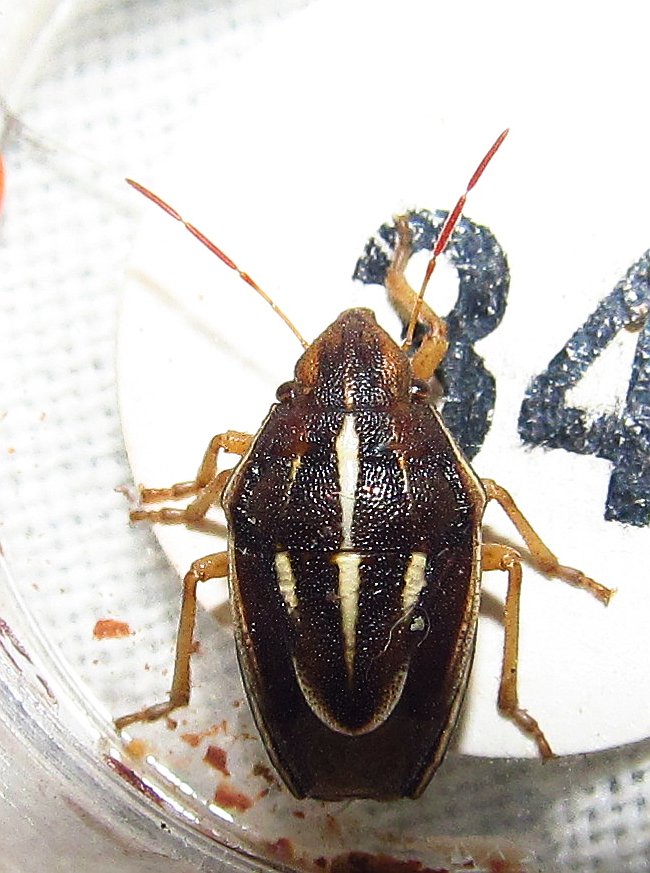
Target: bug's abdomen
348, 624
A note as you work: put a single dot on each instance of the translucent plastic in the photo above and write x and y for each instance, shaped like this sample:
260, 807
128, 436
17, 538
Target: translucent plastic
105, 96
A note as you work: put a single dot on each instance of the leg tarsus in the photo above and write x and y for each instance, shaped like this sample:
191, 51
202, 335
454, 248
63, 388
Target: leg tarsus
211, 567
542, 556
194, 514
174, 492
166, 515
498, 557
206, 488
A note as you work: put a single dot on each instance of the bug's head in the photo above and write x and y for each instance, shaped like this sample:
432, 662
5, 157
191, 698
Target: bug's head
353, 364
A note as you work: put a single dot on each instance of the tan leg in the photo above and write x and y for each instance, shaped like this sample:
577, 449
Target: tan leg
210, 567
497, 557
208, 485
542, 556
402, 297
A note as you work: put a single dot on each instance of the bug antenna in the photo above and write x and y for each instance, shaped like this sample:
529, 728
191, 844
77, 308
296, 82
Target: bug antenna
221, 255
445, 234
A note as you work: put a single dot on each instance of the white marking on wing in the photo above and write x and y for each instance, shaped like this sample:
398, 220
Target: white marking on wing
348, 564
404, 469
295, 466
414, 581
347, 459
286, 580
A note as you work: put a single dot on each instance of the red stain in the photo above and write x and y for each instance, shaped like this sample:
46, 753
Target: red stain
503, 865
229, 798
217, 758
110, 629
265, 773
134, 780
282, 848
193, 739
365, 862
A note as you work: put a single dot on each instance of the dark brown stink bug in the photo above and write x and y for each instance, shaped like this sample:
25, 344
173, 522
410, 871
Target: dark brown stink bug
355, 557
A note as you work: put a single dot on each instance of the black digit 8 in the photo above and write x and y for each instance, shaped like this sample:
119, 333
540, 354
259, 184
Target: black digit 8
483, 283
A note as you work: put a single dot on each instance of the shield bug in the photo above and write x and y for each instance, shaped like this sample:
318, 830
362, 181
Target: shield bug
355, 555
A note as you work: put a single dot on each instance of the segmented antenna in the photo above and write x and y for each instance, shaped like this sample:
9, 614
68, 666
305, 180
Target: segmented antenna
447, 229
221, 255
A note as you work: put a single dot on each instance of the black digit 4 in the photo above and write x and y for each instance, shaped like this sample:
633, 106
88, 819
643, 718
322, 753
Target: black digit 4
483, 282
545, 418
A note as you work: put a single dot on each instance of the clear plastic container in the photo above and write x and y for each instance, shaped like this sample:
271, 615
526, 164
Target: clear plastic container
94, 91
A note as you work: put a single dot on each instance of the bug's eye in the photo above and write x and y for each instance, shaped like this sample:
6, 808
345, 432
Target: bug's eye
285, 392
420, 391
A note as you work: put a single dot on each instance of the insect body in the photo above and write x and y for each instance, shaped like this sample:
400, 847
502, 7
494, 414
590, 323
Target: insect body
354, 562
355, 596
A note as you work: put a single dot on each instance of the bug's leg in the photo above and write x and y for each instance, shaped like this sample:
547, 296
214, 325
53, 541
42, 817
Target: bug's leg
433, 347
542, 556
231, 441
211, 567
498, 557
194, 513
207, 487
